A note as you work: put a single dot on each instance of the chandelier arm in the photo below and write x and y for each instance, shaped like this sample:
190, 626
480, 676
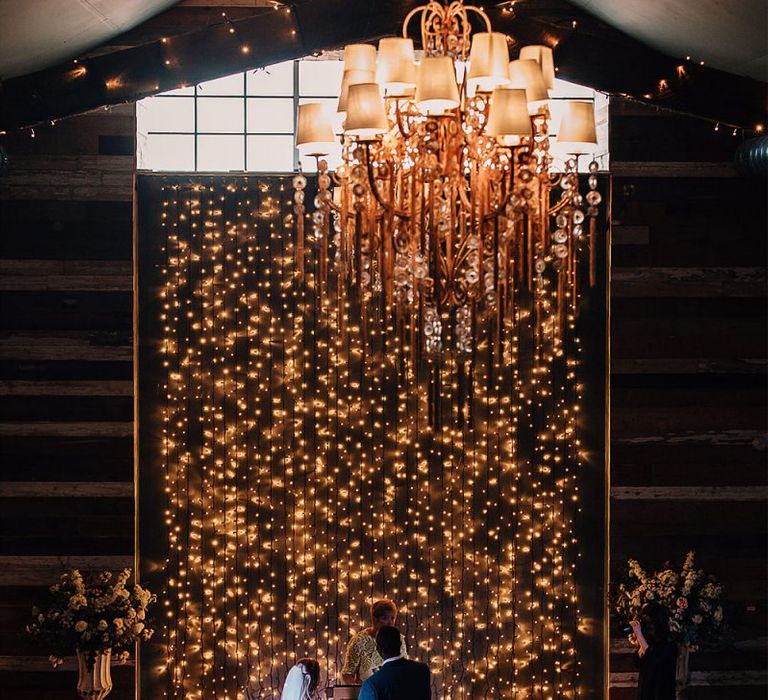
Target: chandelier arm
564, 201
389, 207
495, 211
399, 120
337, 182
461, 253
480, 11
423, 9
462, 189
372, 179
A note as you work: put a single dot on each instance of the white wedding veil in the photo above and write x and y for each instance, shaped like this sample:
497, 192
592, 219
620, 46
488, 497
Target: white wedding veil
296, 684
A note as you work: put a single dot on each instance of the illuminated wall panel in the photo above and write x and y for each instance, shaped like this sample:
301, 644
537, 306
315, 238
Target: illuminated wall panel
290, 473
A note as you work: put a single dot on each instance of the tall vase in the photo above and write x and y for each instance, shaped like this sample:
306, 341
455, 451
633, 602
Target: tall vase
681, 671
95, 677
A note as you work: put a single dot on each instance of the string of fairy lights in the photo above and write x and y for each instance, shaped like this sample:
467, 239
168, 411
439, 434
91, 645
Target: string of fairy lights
309, 472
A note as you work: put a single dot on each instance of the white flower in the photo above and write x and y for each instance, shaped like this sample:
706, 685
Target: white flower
81, 626
77, 601
102, 625
138, 627
141, 614
118, 622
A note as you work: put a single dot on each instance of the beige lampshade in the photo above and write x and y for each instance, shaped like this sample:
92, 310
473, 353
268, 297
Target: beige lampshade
488, 61
508, 115
314, 132
396, 66
360, 57
352, 77
577, 133
436, 88
543, 56
366, 117
526, 74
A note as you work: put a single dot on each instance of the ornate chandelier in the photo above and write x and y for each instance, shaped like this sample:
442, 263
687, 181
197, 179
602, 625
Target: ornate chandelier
450, 209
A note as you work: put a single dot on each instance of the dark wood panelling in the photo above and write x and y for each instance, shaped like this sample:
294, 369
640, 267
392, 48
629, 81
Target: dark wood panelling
47, 408
57, 311
66, 230
80, 136
675, 138
45, 370
60, 685
53, 458
713, 465
66, 406
688, 456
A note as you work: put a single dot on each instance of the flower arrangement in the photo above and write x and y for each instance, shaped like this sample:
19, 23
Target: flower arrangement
92, 615
691, 598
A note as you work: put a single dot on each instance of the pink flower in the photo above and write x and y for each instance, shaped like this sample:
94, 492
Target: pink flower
682, 603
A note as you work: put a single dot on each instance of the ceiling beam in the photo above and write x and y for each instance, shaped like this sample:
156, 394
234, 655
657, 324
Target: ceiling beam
587, 51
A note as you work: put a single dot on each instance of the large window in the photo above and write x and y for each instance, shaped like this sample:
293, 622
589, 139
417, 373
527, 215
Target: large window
240, 122
247, 121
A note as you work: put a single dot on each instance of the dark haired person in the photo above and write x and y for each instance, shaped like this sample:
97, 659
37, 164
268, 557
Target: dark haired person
302, 680
361, 657
656, 654
398, 678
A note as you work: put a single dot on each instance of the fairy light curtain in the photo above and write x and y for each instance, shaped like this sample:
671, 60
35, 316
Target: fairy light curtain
291, 473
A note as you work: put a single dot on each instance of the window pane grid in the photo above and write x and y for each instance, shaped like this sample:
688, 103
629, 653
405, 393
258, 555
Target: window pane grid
261, 126
208, 119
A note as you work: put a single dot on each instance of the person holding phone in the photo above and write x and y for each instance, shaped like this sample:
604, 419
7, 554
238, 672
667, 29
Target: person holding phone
656, 655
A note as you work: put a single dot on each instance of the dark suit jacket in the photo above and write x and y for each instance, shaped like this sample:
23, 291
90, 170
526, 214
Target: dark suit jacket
401, 679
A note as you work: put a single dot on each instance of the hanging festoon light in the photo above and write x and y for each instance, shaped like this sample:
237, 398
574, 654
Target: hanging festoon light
450, 204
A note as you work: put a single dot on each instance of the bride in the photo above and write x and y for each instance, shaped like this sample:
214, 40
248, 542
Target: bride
301, 682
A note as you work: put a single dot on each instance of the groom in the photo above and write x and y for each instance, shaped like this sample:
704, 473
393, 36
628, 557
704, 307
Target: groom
398, 678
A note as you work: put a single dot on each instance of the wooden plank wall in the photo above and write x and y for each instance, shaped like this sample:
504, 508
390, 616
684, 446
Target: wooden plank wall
66, 406
689, 378
688, 375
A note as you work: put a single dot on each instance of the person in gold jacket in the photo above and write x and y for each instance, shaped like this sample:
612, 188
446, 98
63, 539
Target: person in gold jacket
361, 657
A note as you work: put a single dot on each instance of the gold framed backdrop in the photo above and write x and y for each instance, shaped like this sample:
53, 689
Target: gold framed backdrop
289, 474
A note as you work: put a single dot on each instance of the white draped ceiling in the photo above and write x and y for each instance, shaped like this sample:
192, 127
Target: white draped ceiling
731, 35
35, 34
